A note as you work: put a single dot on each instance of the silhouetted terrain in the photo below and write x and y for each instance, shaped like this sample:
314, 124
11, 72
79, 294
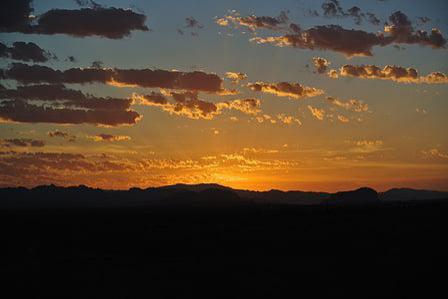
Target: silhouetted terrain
183, 241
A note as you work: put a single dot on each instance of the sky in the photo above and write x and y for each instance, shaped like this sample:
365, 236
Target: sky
294, 94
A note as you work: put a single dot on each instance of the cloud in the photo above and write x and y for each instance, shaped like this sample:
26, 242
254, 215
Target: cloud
285, 89
367, 146
247, 106
21, 142
191, 22
331, 37
123, 171
15, 15
186, 104
321, 64
317, 113
259, 150
356, 42
109, 138
195, 81
389, 72
109, 22
343, 119
236, 77
21, 111
351, 105
88, 3
434, 153
25, 52
332, 8
400, 30
61, 134
254, 22
189, 105
288, 119
58, 104
57, 94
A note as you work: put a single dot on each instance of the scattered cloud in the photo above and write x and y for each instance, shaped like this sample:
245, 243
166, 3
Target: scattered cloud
285, 89
236, 77
317, 112
109, 138
61, 134
191, 22
321, 64
351, 105
254, 22
389, 72
188, 104
288, 119
434, 153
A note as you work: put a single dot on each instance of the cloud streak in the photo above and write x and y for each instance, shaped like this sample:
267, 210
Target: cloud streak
286, 89
58, 104
389, 72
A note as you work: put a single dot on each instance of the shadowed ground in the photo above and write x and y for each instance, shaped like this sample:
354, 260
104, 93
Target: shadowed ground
232, 251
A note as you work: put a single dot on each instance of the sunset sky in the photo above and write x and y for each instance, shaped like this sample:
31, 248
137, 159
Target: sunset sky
254, 94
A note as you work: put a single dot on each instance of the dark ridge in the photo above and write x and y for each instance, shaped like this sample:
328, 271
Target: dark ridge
206, 195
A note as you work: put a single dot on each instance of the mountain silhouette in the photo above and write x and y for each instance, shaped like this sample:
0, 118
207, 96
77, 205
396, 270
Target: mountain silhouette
206, 195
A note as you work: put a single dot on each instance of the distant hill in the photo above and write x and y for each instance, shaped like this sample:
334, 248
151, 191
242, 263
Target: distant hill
405, 194
355, 197
195, 196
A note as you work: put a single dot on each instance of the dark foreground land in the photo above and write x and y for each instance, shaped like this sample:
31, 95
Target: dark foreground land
377, 250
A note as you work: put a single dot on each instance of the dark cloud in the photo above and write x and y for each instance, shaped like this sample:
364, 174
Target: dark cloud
106, 22
423, 20
25, 52
22, 142
22, 111
191, 22
14, 15
197, 80
401, 31
332, 8
71, 59
356, 13
97, 64
88, 3
372, 18
96, 21
58, 104
331, 37
58, 93
357, 42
